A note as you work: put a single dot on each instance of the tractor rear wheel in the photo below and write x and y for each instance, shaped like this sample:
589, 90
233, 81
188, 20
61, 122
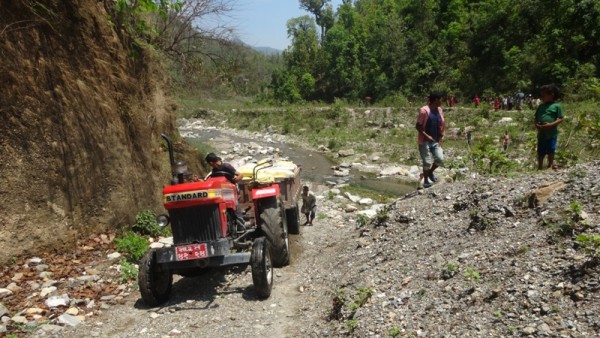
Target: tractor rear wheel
293, 219
154, 280
262, 269
275, 230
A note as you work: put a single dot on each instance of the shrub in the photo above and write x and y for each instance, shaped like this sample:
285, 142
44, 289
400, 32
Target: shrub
128, 271
362, 220
472, 276
133, 245
591, 244
145, 224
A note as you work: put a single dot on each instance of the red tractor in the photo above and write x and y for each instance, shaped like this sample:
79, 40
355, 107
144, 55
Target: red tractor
209, 229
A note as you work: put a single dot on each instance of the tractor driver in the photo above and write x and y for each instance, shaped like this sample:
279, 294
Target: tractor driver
226, 170
221, 169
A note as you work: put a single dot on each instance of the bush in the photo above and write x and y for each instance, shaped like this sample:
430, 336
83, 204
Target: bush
145, 224
129, 271
133, 245
591, 244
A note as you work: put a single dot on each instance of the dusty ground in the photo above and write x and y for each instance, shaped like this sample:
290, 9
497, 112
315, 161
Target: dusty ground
480, 257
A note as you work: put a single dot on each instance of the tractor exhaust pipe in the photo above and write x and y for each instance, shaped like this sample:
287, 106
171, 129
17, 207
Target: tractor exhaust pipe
178, 169
170, 146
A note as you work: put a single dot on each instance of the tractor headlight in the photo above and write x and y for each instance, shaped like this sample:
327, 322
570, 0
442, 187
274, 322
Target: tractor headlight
162, 220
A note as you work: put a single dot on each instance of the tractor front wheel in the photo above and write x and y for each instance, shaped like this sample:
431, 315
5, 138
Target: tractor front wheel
262, 269
154, 280
276, 232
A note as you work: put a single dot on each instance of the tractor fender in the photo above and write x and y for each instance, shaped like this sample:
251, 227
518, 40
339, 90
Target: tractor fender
270, 191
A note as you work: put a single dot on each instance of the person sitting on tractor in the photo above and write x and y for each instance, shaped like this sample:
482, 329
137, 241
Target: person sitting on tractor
221, 169
226, 170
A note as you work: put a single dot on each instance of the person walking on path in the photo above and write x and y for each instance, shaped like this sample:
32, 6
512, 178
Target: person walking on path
505, 140
430, 126
309, 205
548, 116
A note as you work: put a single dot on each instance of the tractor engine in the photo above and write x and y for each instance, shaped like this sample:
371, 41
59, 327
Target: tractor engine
198, 211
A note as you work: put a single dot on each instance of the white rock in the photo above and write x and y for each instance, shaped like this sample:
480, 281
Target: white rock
56, 301
167, 241
5, 292
19, 319
47, 290
46, 275
113, 256
335, 191
68, 319
353, 198
365, 201
341, 173
17, 277
377, 207
350, 208
390, 171
156, 245
73, 311
34, 311
370, 213
346, 152
35, 260
13, 287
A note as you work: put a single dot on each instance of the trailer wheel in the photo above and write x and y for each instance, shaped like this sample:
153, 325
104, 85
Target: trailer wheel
262, 269
293, 219
275, 230
154, 280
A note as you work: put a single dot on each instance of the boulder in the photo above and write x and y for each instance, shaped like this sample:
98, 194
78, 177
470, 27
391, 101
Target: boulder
346, 152
390, 171
365, 201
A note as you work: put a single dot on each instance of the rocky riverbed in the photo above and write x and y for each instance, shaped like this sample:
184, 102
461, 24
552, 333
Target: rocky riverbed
478, 257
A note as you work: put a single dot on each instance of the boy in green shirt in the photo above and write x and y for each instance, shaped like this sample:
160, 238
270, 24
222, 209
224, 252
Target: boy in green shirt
547, 118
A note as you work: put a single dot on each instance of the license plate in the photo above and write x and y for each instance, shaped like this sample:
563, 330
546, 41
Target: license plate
191, 251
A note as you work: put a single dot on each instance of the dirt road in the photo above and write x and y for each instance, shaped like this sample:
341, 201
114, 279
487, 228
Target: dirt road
222, 303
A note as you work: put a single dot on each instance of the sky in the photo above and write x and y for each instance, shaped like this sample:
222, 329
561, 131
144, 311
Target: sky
263, 23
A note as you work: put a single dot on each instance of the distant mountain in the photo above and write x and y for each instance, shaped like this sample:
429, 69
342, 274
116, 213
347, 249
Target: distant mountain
262, 50
267, 50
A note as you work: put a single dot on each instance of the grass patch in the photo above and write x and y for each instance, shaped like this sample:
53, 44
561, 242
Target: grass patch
133, 245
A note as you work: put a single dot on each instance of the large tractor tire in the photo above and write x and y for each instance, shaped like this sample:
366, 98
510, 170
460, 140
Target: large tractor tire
154, 281
293, 219
262, 268
275, 230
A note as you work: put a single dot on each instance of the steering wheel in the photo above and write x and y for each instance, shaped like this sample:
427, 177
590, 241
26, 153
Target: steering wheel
221, 173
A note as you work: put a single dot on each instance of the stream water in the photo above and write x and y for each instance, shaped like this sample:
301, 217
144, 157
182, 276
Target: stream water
316, 166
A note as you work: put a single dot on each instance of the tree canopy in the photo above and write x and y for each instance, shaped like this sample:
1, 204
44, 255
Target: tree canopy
378, 48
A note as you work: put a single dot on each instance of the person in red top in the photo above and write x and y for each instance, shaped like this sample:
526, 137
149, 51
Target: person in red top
497, 104
476, 101
430, 126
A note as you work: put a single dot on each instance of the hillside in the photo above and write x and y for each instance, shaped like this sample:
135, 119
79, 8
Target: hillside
81, 114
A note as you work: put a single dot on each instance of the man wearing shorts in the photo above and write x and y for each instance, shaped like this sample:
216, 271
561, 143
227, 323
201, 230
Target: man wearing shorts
430, 126
548, 116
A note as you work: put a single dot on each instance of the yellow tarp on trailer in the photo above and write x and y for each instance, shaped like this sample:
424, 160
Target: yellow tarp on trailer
279, 170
